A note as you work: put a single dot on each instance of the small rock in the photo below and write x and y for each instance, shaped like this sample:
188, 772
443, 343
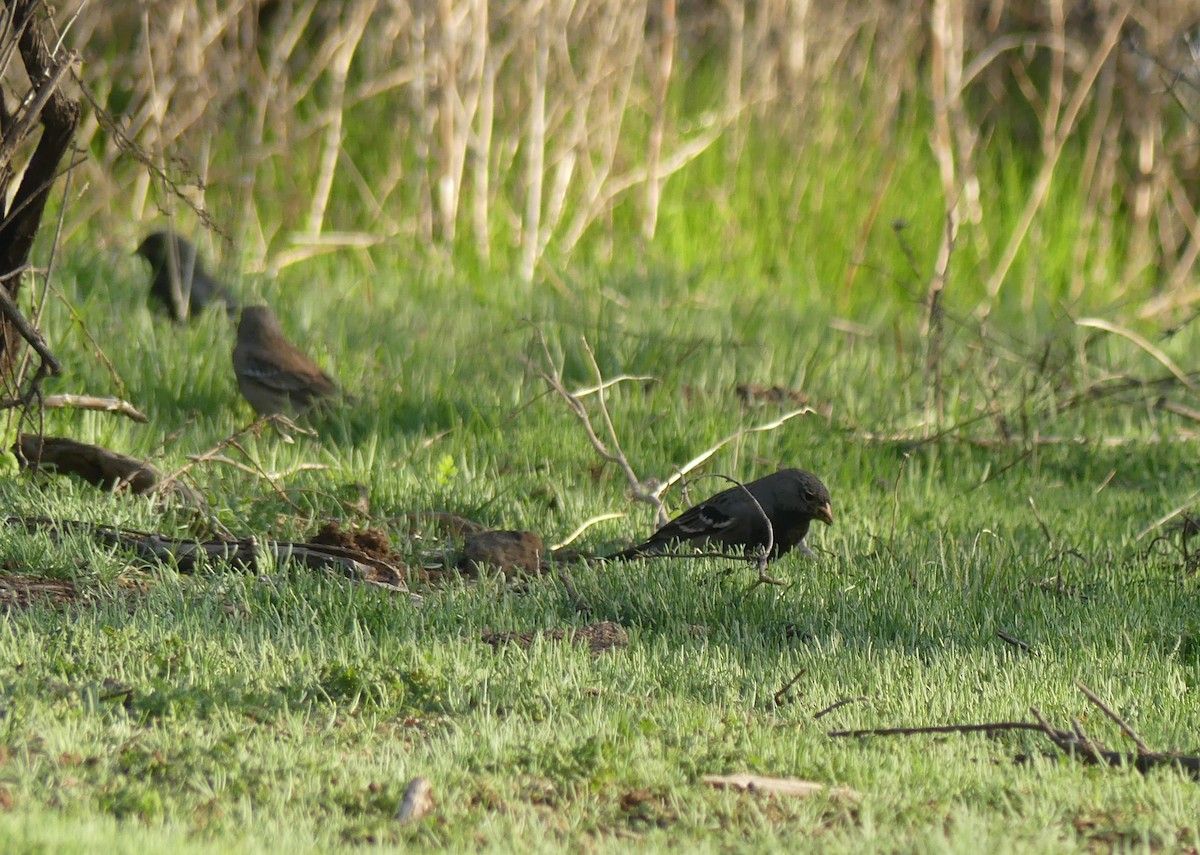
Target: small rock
417, 801
511, 552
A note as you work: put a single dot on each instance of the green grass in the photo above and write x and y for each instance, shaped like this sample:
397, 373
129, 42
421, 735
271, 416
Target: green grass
287, 712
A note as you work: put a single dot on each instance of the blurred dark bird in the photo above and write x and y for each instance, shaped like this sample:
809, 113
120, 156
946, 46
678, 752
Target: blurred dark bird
273, 374
180, 282
734, 519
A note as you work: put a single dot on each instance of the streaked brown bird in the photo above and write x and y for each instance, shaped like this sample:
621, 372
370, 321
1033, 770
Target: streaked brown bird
736, 518
179, 280
275, 376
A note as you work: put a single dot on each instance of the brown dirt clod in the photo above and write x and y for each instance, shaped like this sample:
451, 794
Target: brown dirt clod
368, 541
513, 553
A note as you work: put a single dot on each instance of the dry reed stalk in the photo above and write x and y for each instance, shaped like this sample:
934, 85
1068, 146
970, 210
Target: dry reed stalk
661, 83
351, 33
535, 155
1041, 184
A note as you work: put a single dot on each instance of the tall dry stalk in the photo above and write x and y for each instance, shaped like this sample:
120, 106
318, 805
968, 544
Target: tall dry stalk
661, 84
512, 119
353, 25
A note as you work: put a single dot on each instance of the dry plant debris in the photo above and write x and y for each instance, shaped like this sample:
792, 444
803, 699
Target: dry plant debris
246, 553
1073, 743
24, 591
749, 783
599, 637
369, 541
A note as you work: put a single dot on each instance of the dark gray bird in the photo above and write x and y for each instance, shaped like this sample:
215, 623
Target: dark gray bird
273, 374
179, 281
790, 498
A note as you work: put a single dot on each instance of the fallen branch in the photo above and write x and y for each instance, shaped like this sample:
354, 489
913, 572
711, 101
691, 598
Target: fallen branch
184, 554
1074, 742
1023, 646
83, 402
99, 466
988, 727
784, 696
837, 705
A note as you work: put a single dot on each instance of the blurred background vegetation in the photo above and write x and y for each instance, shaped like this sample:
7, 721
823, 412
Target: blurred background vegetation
853, 155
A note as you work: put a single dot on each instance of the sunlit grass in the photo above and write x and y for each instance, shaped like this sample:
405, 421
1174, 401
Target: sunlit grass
287, 711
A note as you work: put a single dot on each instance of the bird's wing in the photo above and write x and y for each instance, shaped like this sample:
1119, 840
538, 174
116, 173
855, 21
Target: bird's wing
291, 380
206, 289
721, 515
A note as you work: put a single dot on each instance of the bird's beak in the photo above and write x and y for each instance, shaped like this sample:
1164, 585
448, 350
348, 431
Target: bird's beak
825, 513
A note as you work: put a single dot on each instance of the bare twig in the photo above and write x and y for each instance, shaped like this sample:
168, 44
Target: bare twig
83, 402
610, 382
782, 697
553, 378
584, 526
1041, 523
1015, 642
1169, 515
837, 705
228, 442
989, 727
682, 471
1142, 747
896, 500
1074, 742
568, 583
1151, 349
258, 471
12, 313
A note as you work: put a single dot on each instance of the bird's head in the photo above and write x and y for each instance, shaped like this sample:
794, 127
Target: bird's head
156, 248
258, 322
814, 497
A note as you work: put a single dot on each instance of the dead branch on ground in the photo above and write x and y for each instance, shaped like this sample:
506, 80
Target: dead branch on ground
83, 402
185, 554
99, 466
1074, 743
